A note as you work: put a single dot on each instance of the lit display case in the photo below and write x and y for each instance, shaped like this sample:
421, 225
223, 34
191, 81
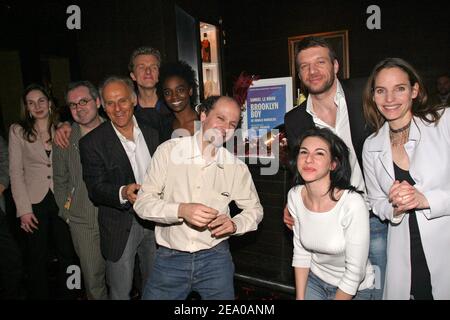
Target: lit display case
210, 59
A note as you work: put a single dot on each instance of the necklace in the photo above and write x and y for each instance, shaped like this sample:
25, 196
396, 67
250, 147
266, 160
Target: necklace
401, 129
399, 136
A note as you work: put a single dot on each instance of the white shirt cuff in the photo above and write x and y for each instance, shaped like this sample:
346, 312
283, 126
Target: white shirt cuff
122, 200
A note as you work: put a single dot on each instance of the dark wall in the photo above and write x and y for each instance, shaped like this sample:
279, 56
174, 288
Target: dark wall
113, 29
257, 34
37, 29
110, 31
206, 11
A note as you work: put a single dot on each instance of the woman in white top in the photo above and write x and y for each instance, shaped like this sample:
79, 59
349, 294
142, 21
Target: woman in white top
331, 229
407, 171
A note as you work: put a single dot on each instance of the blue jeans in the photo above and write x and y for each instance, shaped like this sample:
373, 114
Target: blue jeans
176, 273
317, 289
377, 254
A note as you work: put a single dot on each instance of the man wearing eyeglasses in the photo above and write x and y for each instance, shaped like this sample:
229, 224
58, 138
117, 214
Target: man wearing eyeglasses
71, 194
150, 109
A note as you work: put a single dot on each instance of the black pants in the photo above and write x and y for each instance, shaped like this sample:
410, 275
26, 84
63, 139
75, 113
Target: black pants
420, 274
10, 262
52, 230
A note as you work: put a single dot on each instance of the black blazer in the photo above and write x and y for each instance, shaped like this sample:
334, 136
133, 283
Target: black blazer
298, 120
106, 168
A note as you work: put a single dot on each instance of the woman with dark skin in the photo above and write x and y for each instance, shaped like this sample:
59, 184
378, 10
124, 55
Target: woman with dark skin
178, 86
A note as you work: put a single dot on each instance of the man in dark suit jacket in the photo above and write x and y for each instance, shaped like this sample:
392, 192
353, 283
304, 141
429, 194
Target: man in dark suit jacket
115, 157
338, 107
298, 120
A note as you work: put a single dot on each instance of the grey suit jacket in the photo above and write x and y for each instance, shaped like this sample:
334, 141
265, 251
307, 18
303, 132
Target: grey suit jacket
68, 182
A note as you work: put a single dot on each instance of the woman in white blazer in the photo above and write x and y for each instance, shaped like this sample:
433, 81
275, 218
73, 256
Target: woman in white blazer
31, 174
407, 169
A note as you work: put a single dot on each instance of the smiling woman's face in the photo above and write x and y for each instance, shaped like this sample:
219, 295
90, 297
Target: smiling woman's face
393, 95
314, 160
177, 93
37, 104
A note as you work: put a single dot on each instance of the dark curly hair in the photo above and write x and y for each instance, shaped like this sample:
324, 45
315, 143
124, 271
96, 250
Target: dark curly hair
178, 69
339, 152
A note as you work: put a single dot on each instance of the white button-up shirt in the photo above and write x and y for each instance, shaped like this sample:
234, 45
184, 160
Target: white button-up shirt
137, 153
179, 174
342, 130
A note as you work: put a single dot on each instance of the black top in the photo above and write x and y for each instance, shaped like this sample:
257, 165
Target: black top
157, 118
420, 274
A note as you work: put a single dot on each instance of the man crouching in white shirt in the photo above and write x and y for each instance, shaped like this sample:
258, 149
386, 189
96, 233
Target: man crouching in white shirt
187, 189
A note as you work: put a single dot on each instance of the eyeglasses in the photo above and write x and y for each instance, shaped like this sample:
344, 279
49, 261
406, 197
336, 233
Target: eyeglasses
82, 102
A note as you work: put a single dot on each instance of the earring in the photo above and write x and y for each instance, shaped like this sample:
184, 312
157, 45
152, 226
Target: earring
31, 116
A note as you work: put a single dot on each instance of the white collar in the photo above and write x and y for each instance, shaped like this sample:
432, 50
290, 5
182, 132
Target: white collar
339, 94
136, 131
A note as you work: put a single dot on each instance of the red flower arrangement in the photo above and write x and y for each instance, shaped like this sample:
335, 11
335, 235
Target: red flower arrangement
241, 85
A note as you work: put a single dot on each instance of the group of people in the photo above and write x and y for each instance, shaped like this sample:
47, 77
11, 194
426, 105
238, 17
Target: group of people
86, 187
152, 184
362, 172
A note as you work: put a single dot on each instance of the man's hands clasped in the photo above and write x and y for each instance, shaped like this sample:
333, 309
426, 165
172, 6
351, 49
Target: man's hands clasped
203, 216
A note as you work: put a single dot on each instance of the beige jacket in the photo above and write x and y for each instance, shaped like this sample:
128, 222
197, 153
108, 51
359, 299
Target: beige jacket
30, 170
